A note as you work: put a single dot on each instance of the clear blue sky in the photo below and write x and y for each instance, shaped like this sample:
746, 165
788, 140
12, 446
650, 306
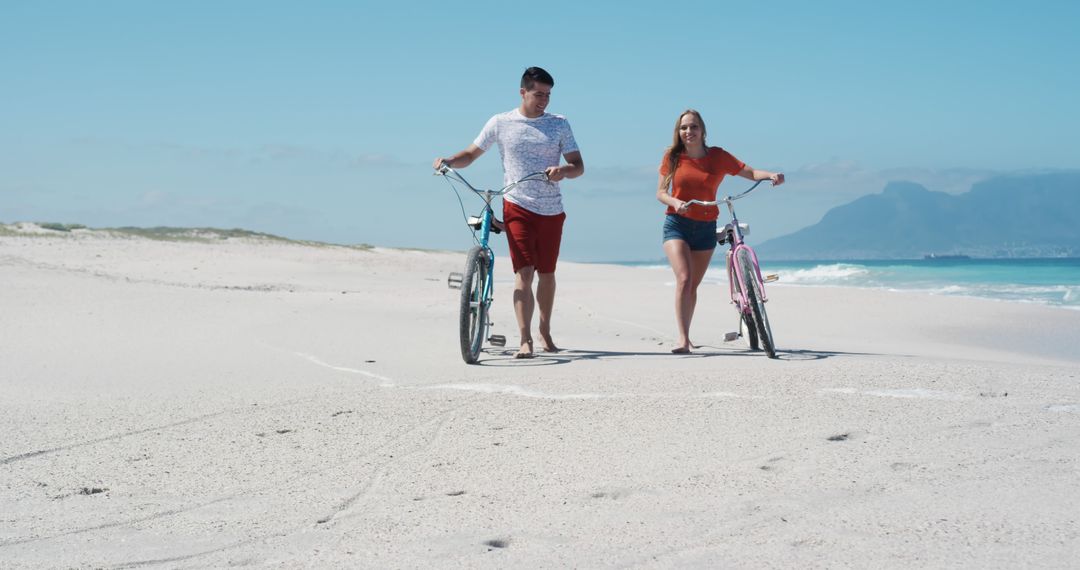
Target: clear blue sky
319, 120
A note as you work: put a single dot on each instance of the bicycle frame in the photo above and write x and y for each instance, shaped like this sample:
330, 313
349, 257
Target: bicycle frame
736, 242
482, 230
482, 226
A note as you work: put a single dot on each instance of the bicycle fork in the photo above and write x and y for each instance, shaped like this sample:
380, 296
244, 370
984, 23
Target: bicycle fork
737, 296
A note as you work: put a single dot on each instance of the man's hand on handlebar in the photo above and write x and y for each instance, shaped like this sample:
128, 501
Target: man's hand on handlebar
554, 173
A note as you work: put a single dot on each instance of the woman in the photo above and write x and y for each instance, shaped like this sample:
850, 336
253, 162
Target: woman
690, 170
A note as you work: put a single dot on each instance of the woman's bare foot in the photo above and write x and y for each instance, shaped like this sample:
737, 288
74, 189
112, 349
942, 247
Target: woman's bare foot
526, 350
683, 348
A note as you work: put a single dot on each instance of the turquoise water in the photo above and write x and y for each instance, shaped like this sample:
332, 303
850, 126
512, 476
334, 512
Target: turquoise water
1053, 282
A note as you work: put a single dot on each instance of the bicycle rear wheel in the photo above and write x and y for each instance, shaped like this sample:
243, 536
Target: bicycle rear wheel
755, 295
472, 321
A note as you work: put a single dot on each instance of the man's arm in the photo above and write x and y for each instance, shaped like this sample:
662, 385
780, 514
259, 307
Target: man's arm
461, 159
573, 168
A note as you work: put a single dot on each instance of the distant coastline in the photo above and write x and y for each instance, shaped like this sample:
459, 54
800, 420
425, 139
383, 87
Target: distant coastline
162, 233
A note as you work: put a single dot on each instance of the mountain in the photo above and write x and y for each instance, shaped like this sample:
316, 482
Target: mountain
1007, 216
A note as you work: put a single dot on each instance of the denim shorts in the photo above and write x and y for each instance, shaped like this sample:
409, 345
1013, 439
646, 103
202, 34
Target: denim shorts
698, 235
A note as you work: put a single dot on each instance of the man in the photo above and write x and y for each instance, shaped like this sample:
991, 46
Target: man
530, 140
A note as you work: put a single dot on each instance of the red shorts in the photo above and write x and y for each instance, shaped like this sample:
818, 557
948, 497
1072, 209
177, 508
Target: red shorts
534, 239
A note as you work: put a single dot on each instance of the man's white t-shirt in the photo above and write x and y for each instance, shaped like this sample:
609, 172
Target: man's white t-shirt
528, 146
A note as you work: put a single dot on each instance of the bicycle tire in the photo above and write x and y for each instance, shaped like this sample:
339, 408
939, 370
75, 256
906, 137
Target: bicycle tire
755, 295
749, 331
472, 320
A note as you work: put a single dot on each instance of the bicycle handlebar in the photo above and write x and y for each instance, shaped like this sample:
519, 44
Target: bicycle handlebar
727, 200
445, 170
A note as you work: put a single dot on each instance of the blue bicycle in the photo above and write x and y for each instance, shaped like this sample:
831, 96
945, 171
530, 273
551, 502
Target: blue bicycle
476, 283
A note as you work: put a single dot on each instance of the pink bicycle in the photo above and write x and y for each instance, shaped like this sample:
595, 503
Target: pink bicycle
744, 279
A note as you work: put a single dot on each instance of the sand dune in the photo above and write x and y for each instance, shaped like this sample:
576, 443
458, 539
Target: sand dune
210, 402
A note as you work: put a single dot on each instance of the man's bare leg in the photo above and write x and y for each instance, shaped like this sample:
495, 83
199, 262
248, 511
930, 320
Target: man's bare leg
523, 309
545, 299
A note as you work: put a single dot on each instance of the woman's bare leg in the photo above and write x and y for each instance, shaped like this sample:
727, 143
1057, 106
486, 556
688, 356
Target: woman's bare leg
689, 268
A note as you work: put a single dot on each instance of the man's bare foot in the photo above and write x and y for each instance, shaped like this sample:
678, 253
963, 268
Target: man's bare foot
546, 344
526, 350
681, 350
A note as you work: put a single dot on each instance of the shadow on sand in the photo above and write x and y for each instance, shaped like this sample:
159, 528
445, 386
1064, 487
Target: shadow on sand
505, 358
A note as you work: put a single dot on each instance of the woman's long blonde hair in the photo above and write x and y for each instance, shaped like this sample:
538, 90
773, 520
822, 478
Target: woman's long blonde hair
677, 147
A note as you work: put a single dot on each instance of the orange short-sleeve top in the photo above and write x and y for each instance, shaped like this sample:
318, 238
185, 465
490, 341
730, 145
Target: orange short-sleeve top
699, 179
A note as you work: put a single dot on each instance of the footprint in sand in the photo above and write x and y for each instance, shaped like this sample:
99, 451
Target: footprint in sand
613, 495
771, 463
277, 431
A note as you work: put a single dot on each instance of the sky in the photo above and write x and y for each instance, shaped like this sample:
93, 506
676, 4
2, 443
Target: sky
319, 120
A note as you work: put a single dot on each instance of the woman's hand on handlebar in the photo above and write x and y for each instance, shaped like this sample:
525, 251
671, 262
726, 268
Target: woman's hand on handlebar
777, 178
682, 207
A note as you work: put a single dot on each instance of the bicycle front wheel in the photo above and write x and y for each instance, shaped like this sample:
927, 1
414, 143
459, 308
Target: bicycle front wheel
748, 331
472, 321
755, 295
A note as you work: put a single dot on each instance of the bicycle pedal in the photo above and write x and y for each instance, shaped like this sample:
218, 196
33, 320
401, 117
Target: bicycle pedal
731, 336
497, 340
453, 280
771, 278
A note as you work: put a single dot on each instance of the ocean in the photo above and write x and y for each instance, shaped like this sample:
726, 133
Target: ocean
1052, 281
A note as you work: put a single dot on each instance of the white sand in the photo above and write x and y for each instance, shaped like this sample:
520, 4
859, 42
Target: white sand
192, 405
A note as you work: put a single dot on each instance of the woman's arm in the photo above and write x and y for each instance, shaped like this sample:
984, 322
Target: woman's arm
755, 175
666, 198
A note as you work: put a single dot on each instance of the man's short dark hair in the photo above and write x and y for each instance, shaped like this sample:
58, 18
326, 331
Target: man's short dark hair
535, 75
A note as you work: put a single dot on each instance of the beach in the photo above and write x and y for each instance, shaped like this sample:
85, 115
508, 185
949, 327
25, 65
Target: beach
206, 401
